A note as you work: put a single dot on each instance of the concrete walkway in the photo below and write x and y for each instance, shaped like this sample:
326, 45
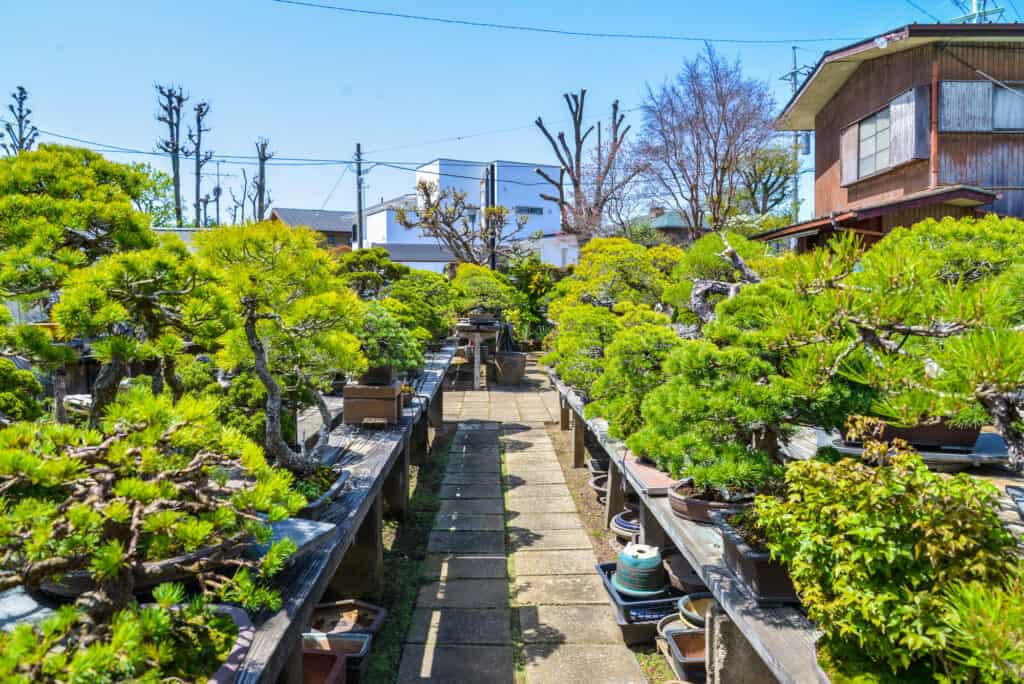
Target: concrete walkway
512, 584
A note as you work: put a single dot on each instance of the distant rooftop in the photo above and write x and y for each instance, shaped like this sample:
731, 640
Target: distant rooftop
405, 252
317, 219
408, 200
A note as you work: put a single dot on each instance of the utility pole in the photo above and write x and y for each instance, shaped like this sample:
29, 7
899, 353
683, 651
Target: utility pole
488, 220
216, 195
794, 77
359, 194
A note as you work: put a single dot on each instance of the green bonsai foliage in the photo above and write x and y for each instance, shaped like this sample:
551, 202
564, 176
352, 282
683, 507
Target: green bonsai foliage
534, 280
185, 642
478, 288
429, 302
576, 351
129, 502
633, 367
20, 393
143, 304
385, 343
297, 318
872, 549
369, 271
734, 471
986, 630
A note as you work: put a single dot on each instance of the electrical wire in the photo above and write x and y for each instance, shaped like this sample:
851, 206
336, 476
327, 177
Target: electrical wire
922, 10
336, 184
1015, 10
559, 32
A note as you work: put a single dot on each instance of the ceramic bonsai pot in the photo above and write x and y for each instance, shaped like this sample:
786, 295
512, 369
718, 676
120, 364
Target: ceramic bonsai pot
509, 367
343, 617
681, 574
934, 435
693, 607
372, 403
355, 646
597, 467
315, 509
766, 580
599, 483
322, 667
697, 509
688, 648
378, 375
625, 525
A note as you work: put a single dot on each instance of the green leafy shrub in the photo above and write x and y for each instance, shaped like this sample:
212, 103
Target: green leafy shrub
633, 366
20, 393
576, 348
429, 302
873, 549
385, 343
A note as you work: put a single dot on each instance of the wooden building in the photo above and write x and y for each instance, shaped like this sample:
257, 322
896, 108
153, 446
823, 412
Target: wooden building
924, 121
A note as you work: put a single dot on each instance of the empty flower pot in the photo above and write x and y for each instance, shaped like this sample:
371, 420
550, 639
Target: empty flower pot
693, 607
322, 667
681, 574
354, 646
688, 648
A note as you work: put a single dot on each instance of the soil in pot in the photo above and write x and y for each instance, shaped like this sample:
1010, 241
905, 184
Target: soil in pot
691, 504
744, 549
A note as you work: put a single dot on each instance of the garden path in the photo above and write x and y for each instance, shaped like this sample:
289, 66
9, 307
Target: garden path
511, 593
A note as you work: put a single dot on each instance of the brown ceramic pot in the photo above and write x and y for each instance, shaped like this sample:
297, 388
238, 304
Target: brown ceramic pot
766, 580
697, 509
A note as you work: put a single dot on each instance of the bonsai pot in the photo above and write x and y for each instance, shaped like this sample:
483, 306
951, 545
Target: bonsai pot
934, 435
597, 467
225, 674
693, 607
599, 483
352, 615
322, 667
637, 618
372, 403
673, 622
625, 525
314, 510
354, 646
695, 508
509, 367
378, 375
688, 648
681, 574
767, 580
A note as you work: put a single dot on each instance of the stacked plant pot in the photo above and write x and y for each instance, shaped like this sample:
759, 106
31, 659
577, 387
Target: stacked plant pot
376, 398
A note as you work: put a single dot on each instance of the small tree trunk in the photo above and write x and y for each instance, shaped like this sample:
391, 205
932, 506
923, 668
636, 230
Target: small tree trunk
104, 392
168, 367
60, 390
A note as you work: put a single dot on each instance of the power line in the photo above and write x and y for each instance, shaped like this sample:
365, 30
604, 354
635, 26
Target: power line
559, 32
336, 184
1015, 10
923, 10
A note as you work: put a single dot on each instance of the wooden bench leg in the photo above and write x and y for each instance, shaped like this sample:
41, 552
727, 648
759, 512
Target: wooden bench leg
419, 442
435, 409
579, 452
651, 532
361, 572
615, 502
396, 487
563, 419
292, 671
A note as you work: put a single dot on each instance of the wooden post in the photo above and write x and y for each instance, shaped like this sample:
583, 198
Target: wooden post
579, 452
396, 486
651, 532
435, 409
476, 360
419, 442
615, 502
361, 572
291, 673
563, 419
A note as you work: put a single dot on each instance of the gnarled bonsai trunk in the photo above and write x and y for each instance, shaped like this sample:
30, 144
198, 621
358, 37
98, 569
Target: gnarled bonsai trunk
104, 392
60, 390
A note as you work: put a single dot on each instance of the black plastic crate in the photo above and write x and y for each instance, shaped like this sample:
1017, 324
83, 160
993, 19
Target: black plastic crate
637, 618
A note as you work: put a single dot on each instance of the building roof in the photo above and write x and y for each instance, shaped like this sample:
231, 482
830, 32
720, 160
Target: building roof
956, 195
406, 252
408, 201
317, 219
835, 67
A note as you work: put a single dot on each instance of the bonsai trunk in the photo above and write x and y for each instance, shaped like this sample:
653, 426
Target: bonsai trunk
168, 367
60, 390
104, 392
277, 448
1005, 416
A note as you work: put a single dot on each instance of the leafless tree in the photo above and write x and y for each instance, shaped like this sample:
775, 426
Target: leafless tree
624, 207
766, 179
699, 130
590, 185
170, 101
238, 203
205, 203
263, 155
21, 134
195, 136
444, 215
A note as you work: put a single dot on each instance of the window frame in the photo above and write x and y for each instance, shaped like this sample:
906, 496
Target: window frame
874, 136
1017, 86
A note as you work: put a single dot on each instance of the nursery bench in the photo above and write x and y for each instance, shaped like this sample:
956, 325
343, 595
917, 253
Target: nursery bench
351, 560
782, 637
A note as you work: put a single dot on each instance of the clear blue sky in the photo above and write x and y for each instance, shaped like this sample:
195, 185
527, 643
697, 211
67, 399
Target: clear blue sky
316, 82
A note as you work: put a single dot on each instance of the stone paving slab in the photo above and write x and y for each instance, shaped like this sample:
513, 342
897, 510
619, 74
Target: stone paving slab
569, 625
456, 665
479, 467
458, 521
554, 504
473, 506
466, 541
590, 663
464, 593
471, 491
465, 566
537, 491
546, 521
524, 539
460, 626
555, 590
533, 475
554, 562
459, 477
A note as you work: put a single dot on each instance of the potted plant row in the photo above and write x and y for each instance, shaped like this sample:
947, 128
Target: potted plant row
727, 481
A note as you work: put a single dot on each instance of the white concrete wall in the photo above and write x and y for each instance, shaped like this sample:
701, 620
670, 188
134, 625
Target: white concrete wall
376, 227
456, 174
435, 266
518, 189
558, 250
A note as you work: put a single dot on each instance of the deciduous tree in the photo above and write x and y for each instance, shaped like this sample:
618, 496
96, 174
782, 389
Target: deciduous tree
201, 156
171, 100
21, 134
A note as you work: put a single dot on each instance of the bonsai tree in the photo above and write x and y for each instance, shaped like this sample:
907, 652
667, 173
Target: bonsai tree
385, 343
160, 491
144, 304
576, 347
20, 394
534, 280
297, 322
735, 473
428, 300
369, 271
478, 288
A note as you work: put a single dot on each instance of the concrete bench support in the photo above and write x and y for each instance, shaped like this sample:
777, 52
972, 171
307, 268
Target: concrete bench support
730, 657
615, 502
563, 417
651, 531
579, 451
419, 442
361, 572
396, 487
435, 409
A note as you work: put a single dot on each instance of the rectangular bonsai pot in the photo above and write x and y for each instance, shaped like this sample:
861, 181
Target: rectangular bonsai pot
688, 648
766, 580
934, 435
637, 618
355, 647
374, 402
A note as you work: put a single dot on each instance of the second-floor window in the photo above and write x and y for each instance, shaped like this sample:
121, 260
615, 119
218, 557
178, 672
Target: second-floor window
874, 144
530, 211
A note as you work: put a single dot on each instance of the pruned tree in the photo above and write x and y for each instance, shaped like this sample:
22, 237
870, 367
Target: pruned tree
21, 134
699, 131
624, 208
263, 155
238, 202
171, 100
766, 179
195, 136
590, 185
445, 215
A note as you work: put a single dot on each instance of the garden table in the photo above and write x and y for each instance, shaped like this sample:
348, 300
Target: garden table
479, 333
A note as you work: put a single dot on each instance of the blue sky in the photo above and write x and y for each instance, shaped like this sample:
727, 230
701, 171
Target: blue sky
316, 82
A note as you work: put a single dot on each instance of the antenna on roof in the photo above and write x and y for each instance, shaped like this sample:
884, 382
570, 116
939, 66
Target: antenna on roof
977, 12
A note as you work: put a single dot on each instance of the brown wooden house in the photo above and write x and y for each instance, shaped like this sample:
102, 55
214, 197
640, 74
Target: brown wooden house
924, 121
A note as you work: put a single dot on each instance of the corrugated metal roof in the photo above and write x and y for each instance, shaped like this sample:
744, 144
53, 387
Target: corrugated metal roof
324, 221
403, 252
408, 201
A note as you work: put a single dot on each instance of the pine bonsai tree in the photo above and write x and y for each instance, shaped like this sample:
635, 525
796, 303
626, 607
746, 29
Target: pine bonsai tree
369, 271
298, 321
385, 343
429, 302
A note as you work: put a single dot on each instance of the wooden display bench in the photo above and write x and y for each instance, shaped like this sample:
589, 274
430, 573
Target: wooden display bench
781, 639
350, 563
